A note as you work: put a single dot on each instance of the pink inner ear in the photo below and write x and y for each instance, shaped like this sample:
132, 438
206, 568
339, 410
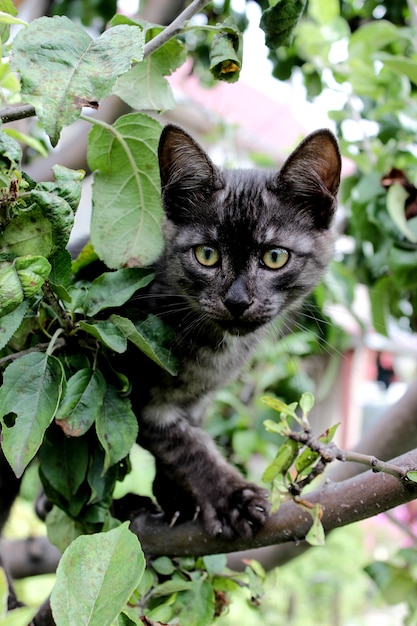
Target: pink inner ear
318, 154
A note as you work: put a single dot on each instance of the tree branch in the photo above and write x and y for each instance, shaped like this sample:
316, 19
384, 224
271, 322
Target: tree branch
343, 503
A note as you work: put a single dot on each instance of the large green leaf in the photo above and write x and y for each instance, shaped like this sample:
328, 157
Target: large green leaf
81, 403
29, 397
116, 426
96, 576
149, 336
127, 211
112, 289
62, 69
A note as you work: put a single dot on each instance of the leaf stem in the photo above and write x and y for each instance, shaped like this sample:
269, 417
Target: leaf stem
54, 341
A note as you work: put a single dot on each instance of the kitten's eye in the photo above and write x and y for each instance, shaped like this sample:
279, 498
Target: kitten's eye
275, 258
207, 255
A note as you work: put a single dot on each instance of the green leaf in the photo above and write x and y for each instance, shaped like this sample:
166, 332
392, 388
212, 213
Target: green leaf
285, 457
10, 323
279, 428
107, 333
379, 298
59, 214
329, 433
307, 402
279, 405
116, 426
8, 10
372, 36
11, 291
60, 276
279, 22
148, 336
30, 141
63, 463
226, 53
28, 232
395, 583
171, 586
215, 563
112, 289
399, 65
124, 620
324, 11
61, 529
305, 461
5, 18
127, 210
96, 576
396, 198
316, 536
29, 397
412, 475
81, 402
21, 279
197, 604
403, 265
144, 87
10, 150
71, 70
163, 565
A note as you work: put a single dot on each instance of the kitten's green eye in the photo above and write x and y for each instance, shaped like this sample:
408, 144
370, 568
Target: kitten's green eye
275, 258
207, 255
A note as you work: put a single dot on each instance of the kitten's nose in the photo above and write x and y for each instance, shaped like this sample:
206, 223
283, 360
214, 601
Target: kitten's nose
237, 299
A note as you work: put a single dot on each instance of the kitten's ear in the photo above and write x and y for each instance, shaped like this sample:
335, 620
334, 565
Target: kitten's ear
183, 164
312, 174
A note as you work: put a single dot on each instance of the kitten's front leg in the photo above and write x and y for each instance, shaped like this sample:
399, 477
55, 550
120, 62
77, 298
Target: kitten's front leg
194, 480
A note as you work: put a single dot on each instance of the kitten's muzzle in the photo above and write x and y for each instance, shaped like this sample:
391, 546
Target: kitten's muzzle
237, 300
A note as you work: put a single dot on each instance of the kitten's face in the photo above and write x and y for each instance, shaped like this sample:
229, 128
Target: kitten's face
243, 246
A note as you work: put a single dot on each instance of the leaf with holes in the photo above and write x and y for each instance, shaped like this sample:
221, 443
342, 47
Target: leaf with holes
29, 397
63, 69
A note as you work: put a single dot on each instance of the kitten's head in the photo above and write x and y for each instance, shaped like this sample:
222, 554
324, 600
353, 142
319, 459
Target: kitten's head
243, 246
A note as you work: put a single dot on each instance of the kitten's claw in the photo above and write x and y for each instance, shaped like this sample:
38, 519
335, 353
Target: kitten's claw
174, 519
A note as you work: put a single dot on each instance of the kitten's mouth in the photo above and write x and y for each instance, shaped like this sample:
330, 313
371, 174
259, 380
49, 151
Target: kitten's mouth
239, 327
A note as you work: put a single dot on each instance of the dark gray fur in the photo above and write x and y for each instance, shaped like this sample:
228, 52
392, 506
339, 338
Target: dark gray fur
220, 313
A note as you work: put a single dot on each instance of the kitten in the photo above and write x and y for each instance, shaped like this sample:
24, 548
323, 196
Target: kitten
242, 248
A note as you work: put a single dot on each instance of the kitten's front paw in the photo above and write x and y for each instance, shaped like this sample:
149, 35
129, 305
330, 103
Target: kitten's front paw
238, 511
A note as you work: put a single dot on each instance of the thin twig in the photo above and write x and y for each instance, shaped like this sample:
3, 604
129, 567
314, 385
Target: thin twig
16, 112
40, 347
329, 452
175, 27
